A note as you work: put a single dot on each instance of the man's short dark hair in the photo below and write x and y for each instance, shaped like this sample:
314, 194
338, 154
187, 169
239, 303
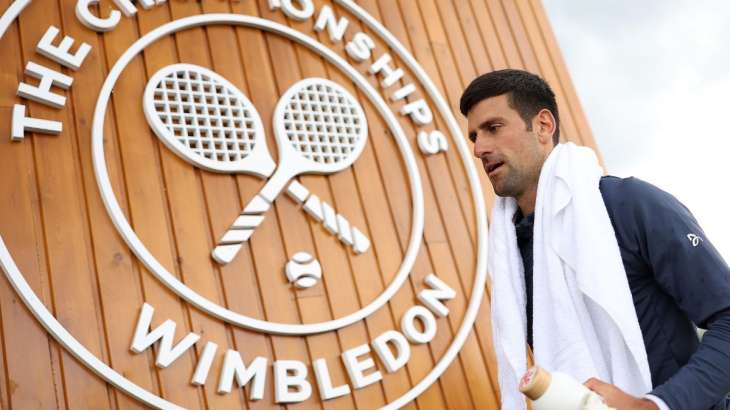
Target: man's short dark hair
527, 94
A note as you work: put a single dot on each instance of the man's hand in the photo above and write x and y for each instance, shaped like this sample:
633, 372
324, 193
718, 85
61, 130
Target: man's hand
616, 398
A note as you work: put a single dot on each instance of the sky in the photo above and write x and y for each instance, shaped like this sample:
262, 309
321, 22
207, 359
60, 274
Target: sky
653, 77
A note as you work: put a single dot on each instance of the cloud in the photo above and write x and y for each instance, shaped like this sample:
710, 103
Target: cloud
654, 81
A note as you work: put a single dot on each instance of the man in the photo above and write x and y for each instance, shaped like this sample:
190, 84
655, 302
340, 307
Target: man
677, 279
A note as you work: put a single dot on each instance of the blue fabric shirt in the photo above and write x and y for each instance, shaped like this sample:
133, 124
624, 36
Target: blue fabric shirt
677, 280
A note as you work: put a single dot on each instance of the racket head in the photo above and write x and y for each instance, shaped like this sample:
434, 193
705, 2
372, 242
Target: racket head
206, 120
320, 127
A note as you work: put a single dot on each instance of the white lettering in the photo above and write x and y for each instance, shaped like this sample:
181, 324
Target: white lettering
403, 92
147, 4
305, 11
291, 374
233, 366
408, 325
130, 10
324, 381
21, 123
166, 353
203, 367
356, 369
93, 22
439, 291
60, 53
359, 47
430, 144
126, 7
419, 112
390, 74
336, 29
42, 93
392, 361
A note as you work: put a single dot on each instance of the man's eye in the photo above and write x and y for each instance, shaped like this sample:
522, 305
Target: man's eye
494, 128
472, 137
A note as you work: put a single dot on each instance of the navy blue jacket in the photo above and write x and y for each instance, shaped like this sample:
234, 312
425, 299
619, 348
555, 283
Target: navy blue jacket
677, 280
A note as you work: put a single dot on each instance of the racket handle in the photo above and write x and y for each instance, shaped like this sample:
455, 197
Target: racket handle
241, 230
325, 214
253, 215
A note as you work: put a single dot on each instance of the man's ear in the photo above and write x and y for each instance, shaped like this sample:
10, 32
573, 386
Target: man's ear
544, 125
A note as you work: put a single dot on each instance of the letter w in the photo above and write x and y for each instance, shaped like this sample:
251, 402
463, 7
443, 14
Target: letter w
167, 353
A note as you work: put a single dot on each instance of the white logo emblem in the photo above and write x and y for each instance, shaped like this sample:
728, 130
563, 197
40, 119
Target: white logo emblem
319, 127
694, 239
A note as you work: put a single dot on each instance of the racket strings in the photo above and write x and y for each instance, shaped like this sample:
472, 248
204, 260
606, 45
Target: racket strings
205, 116
323, 124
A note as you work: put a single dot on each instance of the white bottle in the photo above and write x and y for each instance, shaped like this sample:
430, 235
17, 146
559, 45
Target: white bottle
558, 391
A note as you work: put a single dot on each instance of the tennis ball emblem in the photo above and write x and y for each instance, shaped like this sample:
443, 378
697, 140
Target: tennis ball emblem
303, 270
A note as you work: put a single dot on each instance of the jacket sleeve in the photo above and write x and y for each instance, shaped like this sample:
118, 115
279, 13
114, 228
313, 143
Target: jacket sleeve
705, 380
690, 270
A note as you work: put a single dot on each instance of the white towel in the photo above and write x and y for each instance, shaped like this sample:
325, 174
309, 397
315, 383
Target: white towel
584, 321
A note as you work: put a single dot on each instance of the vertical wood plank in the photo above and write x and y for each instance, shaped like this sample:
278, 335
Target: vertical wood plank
285, 223
30, 357
463, 256
423, 266
528, 51
240, 285
375, 191
145, 187
469, 23
489, 34
504, 34
189, 208
119, 282
66, 230
520, 37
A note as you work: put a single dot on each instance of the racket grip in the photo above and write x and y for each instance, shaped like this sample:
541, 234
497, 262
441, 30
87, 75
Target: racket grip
324, 213
241, 230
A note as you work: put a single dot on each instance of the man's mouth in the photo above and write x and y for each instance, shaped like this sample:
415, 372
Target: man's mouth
492, 168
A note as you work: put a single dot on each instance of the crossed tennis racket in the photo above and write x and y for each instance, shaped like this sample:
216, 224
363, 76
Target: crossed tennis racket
319, 128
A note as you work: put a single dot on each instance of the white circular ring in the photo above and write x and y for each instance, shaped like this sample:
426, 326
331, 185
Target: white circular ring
108, 374
202, 303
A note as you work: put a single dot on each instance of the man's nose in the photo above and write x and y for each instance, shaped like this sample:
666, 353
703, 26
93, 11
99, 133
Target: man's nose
482, 146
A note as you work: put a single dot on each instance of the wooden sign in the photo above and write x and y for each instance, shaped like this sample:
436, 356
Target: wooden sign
250, 204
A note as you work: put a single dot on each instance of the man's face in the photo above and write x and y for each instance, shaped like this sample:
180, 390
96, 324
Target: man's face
511, 155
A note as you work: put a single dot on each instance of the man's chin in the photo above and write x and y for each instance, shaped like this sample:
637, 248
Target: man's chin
501, 190
497, 186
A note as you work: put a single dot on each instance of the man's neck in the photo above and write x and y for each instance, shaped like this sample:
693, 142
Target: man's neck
526, 201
